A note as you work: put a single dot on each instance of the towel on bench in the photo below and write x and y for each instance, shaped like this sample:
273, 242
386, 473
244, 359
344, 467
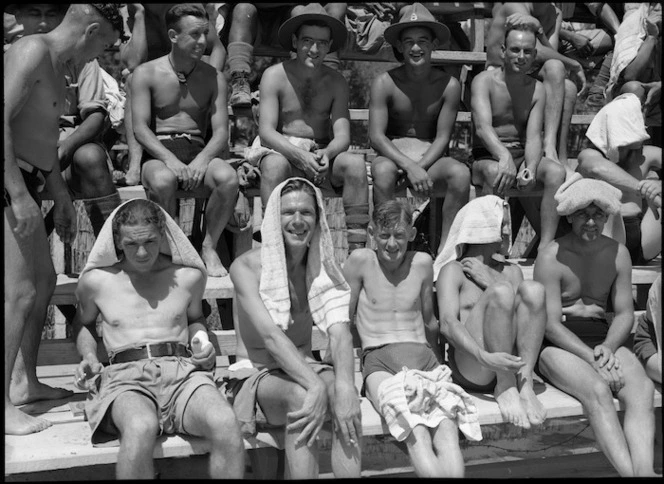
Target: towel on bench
415, 397
255, 153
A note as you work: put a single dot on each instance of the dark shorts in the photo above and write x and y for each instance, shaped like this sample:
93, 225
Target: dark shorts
633, 239
168, 381
460, 380
183, 148
480, 152
393, 357
33, 181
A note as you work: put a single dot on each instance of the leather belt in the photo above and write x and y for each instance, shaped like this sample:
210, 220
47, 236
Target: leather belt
149, 351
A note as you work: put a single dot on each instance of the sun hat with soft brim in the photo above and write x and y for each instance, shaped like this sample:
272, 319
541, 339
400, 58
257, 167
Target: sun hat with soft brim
305, 13
416, 15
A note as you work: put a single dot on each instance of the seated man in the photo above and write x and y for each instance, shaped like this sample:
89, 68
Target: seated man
507, 107
592, 36
160, 375
648, 334
304, 121
411, 116
550, 67
583, 272
492, 319
619, 157
253, 24
392, 304
282, 289
179, 96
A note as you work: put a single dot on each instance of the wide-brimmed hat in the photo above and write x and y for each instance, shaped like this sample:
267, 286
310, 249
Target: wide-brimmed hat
416, 15
305, 13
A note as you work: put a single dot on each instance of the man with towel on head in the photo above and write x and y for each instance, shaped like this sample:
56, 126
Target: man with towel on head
411, 116
508, 108
492, 319
392, 305
618, 156
282, 289
304, 126
34, 92
146, 281
583, 273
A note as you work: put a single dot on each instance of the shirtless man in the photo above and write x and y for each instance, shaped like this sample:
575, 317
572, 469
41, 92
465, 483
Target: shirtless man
508, 107
411, 116
174, 100
550, 67
583, 272
392, 305
276, 381
492, 319
303, 99
34, 92
159, 379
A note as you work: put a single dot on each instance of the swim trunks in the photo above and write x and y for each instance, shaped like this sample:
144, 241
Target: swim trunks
185, 147
34, 181
515, 148
633, 239
239, 385
168, 381
460, 380
392, 357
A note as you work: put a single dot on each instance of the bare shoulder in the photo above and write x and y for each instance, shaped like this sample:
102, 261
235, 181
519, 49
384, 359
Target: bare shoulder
360, 256
246, 267
26, 51
422, 258
188, 275
94, 280
451, 271
273, 73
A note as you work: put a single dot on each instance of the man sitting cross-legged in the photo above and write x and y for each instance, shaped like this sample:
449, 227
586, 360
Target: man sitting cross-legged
178, 96
282, 289
583, 272
392, 302
492, 319
508, 108
159, 380
411, 116
304, 126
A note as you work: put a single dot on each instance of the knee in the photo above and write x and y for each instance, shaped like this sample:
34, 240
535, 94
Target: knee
634, 87
458, 179
601, 397
224, 428
383, 171
554, 70
90, 161
532, 293
554, 174
275, 169
225, 179
243, 12
353, 168
22, 296
590, 166
139, 429
570, 89
500, 296
162, 181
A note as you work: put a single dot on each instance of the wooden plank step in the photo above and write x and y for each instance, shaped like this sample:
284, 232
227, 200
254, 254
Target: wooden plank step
465, 116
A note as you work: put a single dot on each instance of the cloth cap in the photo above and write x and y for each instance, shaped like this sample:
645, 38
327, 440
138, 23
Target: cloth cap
416, 15
578, 192
305, 13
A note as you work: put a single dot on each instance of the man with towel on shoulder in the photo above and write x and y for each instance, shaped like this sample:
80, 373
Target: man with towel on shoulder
282, 289
411, 117
304, 126
618, 156
146, 281
508, 111
492, 319
392, 307
583, 273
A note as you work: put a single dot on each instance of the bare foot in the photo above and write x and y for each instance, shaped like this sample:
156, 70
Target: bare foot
212, 263
510, 406
133, 177
534, 409
34, 392
19, 423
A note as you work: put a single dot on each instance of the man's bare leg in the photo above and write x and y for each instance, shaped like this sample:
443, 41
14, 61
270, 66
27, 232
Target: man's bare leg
277, 396
209, 415
639, 421
222, 180
134, 148
275, 168
385, 175
350, 171
573, 375
135, 416
451, 179
530, 324
553, 77
21, 291
566, 121
162, 184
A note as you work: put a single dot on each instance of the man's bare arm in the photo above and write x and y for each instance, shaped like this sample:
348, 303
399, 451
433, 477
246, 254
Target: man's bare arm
431, 327
218, 122
445, 125
623, 305
339, 118
353, 269
135, 51
480, 104
84, 326
533, 147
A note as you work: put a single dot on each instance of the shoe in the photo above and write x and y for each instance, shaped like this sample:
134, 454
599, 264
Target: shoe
240, 90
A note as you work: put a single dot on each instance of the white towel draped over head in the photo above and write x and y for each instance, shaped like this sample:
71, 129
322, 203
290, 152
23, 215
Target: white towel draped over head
175, 243
478, 222
327, 290
578, 192
618, 123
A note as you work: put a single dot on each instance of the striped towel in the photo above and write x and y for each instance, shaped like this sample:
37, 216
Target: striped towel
477, 222
414, 397
327, 290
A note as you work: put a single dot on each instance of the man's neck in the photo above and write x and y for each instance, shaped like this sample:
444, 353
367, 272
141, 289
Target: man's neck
303, 72
181, 62
61, 46
296, 260
417, 73
512, 77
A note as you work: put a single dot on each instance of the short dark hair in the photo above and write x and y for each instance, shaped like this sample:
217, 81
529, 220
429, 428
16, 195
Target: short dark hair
312, 23
111, 12
296, 185
138, 212
176, 12
521, 28
391, 213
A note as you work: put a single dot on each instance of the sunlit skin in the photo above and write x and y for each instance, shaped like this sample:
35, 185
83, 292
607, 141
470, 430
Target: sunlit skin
39, 18
392, 243
191, 37
416, 45
140, 245
588, 222
298, 219
312, 45
519, 51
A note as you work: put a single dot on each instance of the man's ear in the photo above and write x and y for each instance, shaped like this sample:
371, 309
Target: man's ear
502, 51
399, 47
436, 43
172, 35
92, 29
413, 233
370, 229
294, 41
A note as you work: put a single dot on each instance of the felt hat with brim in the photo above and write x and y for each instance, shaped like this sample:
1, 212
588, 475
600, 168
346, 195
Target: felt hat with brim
305, 13
416, 15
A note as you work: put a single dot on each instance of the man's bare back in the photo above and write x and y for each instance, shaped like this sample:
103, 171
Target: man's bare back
414, 107
154, 306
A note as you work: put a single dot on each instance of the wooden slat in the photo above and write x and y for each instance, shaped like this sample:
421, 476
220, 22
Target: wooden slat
465, 116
